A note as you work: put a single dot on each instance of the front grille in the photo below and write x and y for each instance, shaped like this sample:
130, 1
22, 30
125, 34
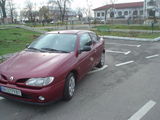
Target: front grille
3, 79
21, 80
26, 96
3, 82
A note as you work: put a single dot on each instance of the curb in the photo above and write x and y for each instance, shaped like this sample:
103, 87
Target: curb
157, 39
132, 30
131, 38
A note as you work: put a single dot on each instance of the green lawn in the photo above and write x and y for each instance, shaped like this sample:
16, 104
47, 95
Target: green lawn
15, 39
131, 27
45, 25
39, 25
122, 34
130, 34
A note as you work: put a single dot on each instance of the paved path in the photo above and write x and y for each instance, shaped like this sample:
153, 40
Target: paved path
137, 31
128, 89
41, 29
86, 27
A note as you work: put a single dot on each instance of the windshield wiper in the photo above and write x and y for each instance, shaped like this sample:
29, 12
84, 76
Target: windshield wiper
54, 50
32, 48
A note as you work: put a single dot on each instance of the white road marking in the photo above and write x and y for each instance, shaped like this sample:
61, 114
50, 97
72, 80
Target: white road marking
97, 70
1, 98
125, 63
120, 52
138, 45
152, 56
124, 44
144, 110
127, 52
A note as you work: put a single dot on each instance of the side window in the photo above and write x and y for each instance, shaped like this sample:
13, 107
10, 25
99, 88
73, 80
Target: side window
85, 40
94, 37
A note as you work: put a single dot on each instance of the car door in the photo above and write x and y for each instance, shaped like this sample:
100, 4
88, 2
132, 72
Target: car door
85, 59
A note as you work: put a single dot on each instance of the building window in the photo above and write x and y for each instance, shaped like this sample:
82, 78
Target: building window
112, 14
119, 13
98, 14
141, 12
126, 13
152, 13
135, 12
103, 14
151, 3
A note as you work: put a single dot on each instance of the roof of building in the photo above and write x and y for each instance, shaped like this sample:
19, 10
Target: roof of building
121, 6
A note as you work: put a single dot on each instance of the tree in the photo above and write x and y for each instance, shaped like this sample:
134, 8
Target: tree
12, 11
158, 7
62, 6
1, 15
3, 7
23, 15
29, 13
79, 13
105, 13
29, 10
87, 11
112, 10
44, 13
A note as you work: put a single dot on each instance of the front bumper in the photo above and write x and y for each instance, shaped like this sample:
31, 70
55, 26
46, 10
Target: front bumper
50, 93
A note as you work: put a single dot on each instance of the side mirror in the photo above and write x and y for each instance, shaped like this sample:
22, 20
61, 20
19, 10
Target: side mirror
85, 49
27, 45
89, 43
98, 38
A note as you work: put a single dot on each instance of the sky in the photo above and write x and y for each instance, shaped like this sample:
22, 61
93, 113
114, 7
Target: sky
75, 3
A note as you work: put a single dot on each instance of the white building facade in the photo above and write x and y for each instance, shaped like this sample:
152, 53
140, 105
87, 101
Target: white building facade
146, 9
152, 8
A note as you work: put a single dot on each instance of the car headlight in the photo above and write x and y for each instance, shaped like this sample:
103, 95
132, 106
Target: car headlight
40, 81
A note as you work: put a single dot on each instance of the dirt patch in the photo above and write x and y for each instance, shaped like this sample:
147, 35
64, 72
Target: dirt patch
16, 34
35, 36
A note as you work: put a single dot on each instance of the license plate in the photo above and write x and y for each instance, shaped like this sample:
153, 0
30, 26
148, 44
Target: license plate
11, 91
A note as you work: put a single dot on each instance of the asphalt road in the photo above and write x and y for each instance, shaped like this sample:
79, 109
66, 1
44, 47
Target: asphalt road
128, 89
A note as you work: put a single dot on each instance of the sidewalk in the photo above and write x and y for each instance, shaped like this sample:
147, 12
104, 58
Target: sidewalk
27, 28
39, 29
131, 38
128, 30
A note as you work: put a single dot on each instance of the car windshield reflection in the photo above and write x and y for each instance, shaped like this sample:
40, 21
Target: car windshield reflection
64, 43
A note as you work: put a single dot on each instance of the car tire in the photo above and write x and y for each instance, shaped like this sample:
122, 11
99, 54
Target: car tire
102, 61
69, 87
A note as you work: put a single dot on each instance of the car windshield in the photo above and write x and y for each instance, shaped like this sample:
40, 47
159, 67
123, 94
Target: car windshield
55, 43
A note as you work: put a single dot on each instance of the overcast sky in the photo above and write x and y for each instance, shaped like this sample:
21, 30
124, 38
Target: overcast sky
76, 3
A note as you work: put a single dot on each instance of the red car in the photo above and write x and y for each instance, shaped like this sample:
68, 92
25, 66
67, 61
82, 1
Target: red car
49, 68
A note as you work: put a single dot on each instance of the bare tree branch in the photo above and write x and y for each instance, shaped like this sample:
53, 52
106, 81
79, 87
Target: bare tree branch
3, 7
12, 8
62, 6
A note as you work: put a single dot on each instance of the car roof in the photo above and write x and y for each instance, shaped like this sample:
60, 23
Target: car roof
69, 31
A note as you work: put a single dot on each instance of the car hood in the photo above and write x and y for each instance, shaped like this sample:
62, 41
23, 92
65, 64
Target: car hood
32, 64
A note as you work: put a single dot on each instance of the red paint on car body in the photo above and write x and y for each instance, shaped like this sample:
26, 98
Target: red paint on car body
28, 64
